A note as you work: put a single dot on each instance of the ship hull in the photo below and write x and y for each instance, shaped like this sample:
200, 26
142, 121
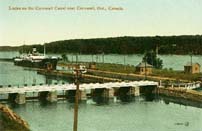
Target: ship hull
38, 64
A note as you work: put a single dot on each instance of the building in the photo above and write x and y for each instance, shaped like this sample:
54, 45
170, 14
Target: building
192, 68
144, 68
92, 65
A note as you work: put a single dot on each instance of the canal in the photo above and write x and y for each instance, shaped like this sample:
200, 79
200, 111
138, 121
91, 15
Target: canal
138, 114
176, 62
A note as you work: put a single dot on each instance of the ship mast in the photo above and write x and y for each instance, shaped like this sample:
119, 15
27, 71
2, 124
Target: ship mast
23, 47
44, 50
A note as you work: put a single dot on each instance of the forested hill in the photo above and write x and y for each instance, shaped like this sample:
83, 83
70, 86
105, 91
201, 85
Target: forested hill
9, 48
125, 45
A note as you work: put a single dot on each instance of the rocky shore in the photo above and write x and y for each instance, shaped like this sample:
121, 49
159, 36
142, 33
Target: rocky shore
10, 121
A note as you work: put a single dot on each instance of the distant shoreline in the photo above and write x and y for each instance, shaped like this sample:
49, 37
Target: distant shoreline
178, 45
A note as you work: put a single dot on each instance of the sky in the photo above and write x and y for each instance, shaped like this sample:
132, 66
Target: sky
138, 18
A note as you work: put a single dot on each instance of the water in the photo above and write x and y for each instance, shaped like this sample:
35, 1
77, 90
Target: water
18, 76
137, 115
140, 115
8, 54
175, 62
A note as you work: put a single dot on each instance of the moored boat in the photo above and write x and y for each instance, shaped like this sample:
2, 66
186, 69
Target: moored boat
36, 60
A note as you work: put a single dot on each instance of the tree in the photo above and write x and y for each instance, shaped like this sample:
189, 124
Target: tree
123, 45
64, 57
152, 59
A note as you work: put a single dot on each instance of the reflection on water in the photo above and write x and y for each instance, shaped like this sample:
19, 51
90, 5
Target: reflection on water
138, 114
8, 54
168, 100
19, 76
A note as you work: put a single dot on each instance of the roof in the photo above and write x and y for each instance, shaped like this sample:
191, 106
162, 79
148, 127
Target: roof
142, 64
189, 64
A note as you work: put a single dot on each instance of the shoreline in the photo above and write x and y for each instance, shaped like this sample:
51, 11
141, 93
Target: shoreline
11, 121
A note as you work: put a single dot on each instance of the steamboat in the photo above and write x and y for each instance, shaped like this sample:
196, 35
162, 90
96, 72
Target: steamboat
36, 60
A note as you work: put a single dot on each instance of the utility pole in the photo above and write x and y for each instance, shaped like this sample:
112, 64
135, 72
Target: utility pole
76, 98
157, 51
191, 62
92, 58
76, 57
44, 49
124, 61
103, 57
23, 47
96, 58
145, 68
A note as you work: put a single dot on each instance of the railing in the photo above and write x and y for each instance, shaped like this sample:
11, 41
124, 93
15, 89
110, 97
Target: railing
63, 87
188, 86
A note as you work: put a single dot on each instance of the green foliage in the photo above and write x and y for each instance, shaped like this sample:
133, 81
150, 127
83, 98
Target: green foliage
124, 45
64, 57
151, 58
115, 67
9, 48
129, 45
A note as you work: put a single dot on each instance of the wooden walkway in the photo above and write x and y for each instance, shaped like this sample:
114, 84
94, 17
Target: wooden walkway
65, 87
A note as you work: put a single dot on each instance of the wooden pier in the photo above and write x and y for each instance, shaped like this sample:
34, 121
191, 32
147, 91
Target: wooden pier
182, 93
49, 92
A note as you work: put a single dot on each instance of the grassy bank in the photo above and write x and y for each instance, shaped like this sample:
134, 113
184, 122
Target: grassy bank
178, 75
116, 67
169, 73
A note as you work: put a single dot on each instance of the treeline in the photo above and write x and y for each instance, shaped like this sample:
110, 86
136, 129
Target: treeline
124, 45
9, 48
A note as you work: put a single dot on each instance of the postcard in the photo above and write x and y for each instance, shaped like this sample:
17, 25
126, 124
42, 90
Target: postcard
100, 65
